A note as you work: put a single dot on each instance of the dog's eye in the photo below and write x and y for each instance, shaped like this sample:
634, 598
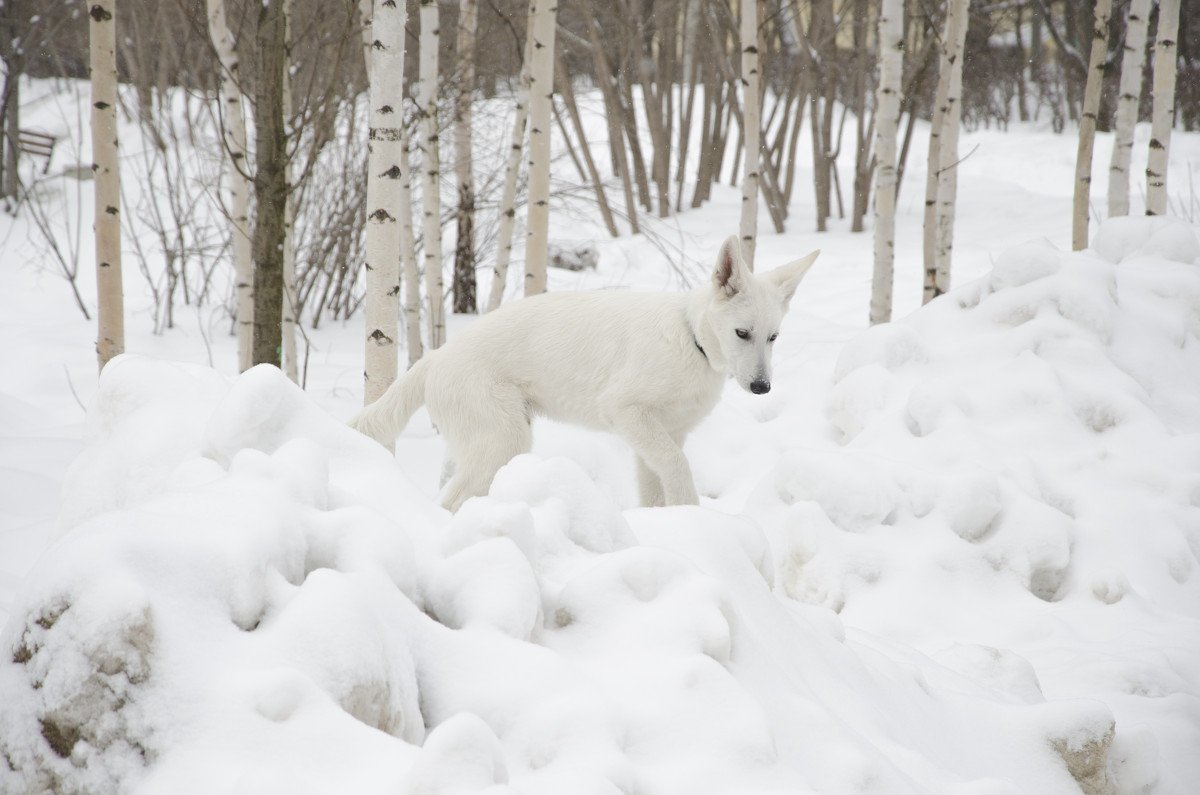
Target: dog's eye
742, 334
772, 337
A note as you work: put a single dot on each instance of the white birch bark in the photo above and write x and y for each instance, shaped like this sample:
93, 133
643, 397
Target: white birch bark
408, 246
937, 279
385, 167
1087, 125
234, 134
537, 227
431, 204
933, 164
512, 169
408, 256
748, 228
110, 302
1130, 92
291, 367
1163, 116
887, 104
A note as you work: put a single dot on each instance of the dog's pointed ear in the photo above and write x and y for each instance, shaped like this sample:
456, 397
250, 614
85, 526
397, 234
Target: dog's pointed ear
787, 277
729, 275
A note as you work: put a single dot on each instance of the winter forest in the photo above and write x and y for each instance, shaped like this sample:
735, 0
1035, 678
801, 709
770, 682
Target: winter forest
955, 550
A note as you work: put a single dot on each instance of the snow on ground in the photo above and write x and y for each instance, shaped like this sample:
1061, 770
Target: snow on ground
957, 553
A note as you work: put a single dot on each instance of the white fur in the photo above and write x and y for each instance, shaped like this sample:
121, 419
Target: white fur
629, 363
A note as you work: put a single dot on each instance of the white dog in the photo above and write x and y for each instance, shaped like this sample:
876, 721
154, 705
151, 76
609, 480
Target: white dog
647, 367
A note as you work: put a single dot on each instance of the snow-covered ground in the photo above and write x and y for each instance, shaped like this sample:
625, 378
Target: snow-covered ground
958, 553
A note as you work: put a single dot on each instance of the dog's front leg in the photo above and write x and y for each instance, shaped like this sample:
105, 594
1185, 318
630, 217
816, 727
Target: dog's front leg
660, 455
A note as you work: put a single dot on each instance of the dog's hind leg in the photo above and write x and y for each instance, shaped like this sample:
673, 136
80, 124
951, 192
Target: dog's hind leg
498, 430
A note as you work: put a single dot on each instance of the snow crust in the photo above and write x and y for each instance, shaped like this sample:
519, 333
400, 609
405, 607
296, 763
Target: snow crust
975, 573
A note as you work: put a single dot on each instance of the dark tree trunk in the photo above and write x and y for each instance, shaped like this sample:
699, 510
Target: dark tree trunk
270, 185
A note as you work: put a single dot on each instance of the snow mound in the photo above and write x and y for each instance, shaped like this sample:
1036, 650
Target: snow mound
249, 596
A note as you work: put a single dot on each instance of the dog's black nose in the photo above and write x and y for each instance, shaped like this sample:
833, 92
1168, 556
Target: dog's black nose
760, 387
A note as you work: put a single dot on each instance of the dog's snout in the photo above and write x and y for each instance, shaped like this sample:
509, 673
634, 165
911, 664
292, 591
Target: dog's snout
760, 387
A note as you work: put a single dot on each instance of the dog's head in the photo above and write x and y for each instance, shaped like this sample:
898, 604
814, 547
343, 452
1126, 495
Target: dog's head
746, 310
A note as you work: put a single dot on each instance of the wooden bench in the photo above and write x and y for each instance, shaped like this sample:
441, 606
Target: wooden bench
37, 143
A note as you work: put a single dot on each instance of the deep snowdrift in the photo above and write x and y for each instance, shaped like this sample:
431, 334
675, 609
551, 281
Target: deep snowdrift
977, 574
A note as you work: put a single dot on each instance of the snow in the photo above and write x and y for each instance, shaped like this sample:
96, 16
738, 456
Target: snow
957, 553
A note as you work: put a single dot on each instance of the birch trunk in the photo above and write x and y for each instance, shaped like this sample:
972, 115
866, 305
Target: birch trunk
1087, 125
1129, 94
947, 192
750, 127
290, 365
464, 247
1163, 115
110, 302
408, 247
887, 104
937, 163
431, 205
386, 164
541, 76
234, 134
512, 169
408, 256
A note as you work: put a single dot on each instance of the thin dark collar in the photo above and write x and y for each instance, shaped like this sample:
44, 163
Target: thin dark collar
697, 342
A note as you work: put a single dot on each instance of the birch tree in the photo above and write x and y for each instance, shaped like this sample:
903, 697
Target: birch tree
408, 257
408, 247
1087, 125
1163, 115
431, 205
270, 185
233, 132
110, 312
1128, 97
464, 247
512, 169
385, 166
941, 189
541, 78
887, 104
751, 129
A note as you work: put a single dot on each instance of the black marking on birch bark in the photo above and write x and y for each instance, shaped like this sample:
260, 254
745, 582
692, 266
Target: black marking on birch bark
101, 105
392, 173
1156, 144
381, 215
100, 13
112, 210
379, 338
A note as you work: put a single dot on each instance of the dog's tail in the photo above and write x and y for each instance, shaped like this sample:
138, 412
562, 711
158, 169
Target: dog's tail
384, 419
